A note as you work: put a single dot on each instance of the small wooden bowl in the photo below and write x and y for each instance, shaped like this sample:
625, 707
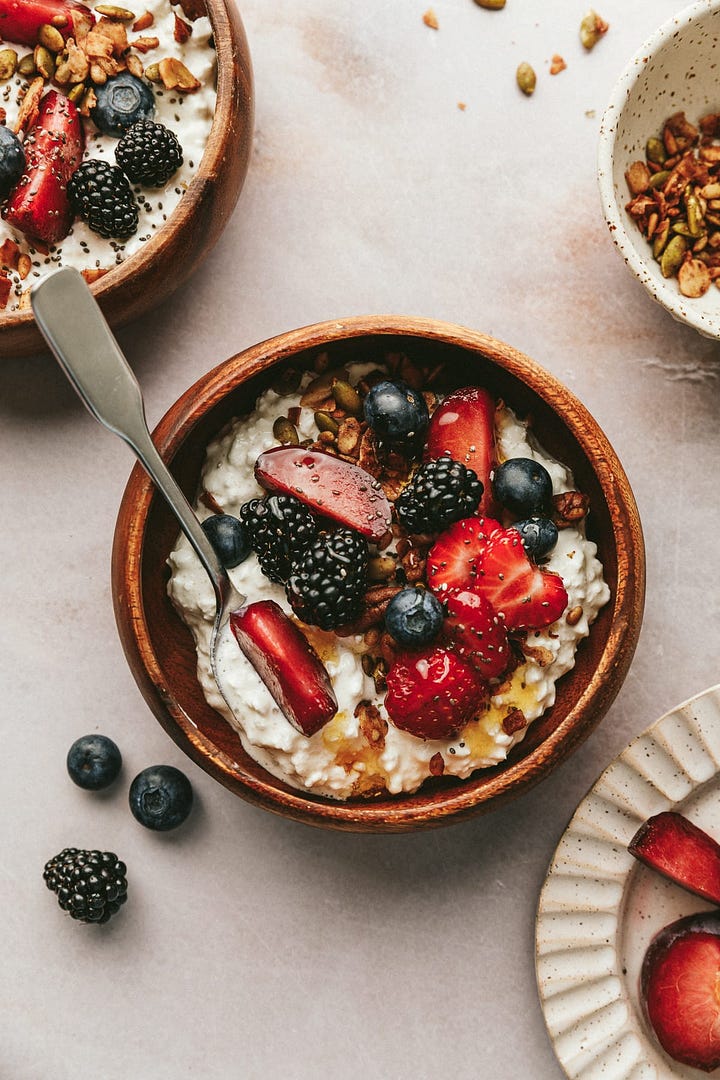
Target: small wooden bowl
151, 275
160, 650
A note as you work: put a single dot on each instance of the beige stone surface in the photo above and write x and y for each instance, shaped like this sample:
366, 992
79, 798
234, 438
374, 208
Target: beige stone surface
252, 947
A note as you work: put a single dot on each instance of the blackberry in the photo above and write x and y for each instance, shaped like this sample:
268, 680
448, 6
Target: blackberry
101, 195
90, 885
328, 579
280, 526
149, 153
442, 491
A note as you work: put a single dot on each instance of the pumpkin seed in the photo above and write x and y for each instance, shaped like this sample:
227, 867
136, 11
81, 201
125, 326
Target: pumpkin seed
696, 225
51, 38
381, 567
285, 432
655, 151
526, 78
152, 72
657, 180
672, 256
347, 397
8, 63
44, 62
660, 238
592, 29
76, 92
26, 66
111, 11
326, 422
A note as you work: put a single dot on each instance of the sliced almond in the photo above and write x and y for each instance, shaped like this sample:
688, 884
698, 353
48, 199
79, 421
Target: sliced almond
693, 278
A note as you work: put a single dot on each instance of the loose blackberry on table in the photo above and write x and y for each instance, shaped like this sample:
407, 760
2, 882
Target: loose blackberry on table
100, 194
279, 526
442, 491
90, 885
328, 579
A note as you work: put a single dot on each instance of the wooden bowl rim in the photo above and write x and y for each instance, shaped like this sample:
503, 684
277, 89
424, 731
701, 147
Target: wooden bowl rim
400, 814
210, 162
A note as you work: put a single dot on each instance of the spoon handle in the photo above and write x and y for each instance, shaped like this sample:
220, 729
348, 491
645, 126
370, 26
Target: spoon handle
74, 327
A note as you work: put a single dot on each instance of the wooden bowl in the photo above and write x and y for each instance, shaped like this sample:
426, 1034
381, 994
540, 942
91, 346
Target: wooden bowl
151, 275
159, 647
673, 71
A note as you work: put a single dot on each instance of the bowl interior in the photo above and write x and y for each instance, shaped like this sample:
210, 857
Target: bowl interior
146, 533
675, 70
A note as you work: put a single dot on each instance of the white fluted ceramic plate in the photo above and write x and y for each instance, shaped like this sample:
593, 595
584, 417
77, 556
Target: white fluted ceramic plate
599, 908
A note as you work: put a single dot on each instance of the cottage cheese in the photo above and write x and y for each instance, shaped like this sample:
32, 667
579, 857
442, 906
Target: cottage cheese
338, 761
190, 116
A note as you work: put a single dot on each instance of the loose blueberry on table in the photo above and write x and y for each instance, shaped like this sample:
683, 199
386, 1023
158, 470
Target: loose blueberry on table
161, 797
399, 528
81, 145
681, 970
94, 762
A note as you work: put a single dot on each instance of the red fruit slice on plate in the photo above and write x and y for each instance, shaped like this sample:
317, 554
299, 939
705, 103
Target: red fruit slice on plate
287, 664
475, 632
463, 426
331, 487
38, 205
432, 694
679, 983
452, 561
525, 596
673, 846
20, 20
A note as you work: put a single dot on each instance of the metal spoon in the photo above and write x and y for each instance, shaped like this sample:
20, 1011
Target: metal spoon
75, 329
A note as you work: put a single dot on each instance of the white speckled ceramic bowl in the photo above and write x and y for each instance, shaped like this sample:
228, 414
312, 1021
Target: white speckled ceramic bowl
599, 908
676, 69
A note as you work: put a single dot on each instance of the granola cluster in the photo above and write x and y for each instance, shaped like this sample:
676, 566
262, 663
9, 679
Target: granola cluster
676, 201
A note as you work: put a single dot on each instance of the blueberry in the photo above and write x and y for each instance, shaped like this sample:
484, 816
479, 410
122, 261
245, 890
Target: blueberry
396, 412
539, 536
522, 486
93, 762
12, 160
229, 538
161, 797
121, 102
414, 617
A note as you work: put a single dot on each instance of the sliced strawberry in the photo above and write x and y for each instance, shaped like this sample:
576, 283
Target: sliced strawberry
673, 846
452, 561
20, 20
38, 205
475, 632
679, 984
463, 426
331, 487
432, 694
525, 596
287, 664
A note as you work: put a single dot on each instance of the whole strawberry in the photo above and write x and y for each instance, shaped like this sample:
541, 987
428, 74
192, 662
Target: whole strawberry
432, 694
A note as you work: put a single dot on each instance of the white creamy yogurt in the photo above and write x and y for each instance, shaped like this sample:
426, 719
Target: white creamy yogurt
338, 761
189, 116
